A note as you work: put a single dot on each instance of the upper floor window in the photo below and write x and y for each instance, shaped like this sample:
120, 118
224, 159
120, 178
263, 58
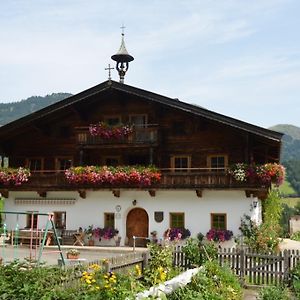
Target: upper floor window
112, 120
217, 162
180, 163
176, 220
63, 163
218, 221
109, 220
35, 164
111, 161
138, 120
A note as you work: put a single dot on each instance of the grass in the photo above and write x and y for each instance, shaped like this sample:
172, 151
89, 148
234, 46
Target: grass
291, 202
286, 189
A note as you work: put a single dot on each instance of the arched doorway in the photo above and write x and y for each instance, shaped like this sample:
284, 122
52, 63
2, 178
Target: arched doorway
137, 224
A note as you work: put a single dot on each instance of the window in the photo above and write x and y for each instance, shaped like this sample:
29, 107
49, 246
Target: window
217, 162
109, 220
111, 161
139, 120
63, 163
177, 220
35, 164
112, 120
60, 219
32, 219
180, 162
218, 221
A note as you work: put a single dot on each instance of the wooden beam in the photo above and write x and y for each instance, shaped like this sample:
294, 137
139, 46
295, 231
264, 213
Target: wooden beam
152, 193
199, 193
42, 193
116, 193
4, 193
82, 193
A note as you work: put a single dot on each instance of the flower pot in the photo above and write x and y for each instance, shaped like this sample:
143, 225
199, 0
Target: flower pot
72, 256
91, 242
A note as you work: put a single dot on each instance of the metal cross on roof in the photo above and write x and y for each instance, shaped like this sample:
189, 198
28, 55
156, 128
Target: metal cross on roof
109, 69
122, 27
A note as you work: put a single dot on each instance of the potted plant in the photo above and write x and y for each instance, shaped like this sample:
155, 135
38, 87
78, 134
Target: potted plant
89, 235
73, 254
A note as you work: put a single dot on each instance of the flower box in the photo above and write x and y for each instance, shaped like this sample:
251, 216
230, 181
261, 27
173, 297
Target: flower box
263, 174
106, 131
14, 176
128, 175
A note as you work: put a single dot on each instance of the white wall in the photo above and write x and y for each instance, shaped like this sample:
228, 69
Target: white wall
90, 211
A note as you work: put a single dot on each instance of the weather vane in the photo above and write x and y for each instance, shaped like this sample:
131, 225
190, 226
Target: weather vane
109, 69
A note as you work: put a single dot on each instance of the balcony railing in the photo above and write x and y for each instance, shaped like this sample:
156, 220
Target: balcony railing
146, 134
170, 179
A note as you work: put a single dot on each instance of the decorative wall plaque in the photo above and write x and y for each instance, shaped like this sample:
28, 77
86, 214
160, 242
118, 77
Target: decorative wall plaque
158, 216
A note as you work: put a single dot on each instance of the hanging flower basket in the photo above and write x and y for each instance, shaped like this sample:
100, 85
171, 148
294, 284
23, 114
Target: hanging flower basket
265, 174
107, 132
11, 176
138, 175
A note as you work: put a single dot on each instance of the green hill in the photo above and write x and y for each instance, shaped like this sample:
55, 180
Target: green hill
15, 110
290, 155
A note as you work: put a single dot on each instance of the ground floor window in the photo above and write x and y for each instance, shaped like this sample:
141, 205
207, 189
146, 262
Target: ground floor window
31, 219
60, 219
218, 221
109, 220
176, 220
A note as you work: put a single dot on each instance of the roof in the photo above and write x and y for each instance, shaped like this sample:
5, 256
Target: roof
150, 96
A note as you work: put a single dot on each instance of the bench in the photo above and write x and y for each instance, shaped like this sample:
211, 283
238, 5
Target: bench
24, 236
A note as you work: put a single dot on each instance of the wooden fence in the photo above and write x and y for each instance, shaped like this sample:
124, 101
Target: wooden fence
251, 267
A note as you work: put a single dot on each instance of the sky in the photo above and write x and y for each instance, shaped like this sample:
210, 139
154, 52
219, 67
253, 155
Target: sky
239, 58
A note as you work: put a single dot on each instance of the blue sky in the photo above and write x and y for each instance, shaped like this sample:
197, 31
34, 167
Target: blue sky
237, 57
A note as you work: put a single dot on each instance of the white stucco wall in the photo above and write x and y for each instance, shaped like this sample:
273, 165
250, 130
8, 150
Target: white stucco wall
85, 212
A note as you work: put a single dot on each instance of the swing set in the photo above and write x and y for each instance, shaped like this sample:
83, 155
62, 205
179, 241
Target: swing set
34, 234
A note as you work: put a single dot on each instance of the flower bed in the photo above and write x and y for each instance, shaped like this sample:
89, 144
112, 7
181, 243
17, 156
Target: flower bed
106, 131
266, 174
138, 175
14, 176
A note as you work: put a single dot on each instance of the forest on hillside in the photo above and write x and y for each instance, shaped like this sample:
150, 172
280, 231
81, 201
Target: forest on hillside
15, 110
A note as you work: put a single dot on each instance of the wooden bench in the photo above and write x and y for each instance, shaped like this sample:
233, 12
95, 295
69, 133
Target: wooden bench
24, 236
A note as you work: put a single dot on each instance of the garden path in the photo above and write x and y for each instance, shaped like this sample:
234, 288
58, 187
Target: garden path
249, 294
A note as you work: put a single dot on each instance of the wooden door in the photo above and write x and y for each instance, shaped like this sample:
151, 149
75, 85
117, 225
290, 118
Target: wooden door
137, 225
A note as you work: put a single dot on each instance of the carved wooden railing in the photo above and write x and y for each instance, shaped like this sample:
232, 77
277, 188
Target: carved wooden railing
196, 178
146, 134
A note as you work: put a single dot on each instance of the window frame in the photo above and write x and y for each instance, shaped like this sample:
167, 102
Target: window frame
63, 220
109, 214
173, 214
29, 216
209, 158
62, 157
29, 159
212, 215
139, 115
189, 163
106, 118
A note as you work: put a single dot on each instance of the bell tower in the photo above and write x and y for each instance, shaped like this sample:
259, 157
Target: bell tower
122, 59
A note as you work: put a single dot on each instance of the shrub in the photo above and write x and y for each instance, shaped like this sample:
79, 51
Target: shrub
199, 253
295, 279
296, 236
213, 282
274, 292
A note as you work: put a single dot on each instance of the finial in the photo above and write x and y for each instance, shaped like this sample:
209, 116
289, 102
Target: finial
122, 27
122, 58
109, 73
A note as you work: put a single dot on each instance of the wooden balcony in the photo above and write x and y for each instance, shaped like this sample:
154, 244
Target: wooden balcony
141, 135
197, 180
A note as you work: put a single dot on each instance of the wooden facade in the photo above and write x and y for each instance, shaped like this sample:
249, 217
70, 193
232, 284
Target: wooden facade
183, 140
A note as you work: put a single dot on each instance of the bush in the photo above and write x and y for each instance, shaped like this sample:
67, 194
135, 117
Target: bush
274, 292
296, 236
211, 283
